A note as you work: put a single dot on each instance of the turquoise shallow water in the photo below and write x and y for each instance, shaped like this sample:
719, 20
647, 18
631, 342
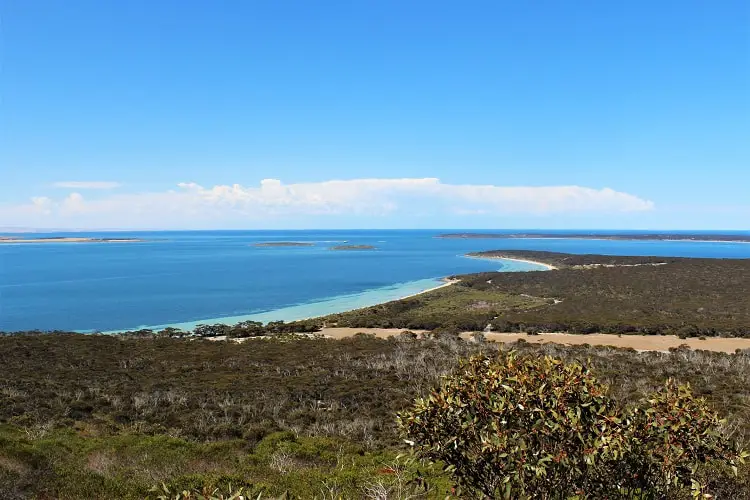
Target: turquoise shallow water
185, 278
326, 306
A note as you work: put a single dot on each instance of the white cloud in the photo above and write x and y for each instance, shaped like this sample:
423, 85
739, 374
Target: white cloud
86, 184
192, 205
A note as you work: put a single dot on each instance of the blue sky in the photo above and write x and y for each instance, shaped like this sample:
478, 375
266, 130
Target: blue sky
506, 114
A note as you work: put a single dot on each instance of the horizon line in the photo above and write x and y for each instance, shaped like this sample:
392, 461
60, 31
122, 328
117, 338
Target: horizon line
11, 229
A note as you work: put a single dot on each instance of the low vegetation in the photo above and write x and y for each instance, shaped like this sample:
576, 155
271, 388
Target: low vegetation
109, 417
452, 308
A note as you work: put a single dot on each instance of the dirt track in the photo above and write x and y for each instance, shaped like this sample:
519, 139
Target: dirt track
638, 342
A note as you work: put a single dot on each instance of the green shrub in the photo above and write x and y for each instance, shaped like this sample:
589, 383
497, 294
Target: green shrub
203, 491
670, 437
535, 427
517, 427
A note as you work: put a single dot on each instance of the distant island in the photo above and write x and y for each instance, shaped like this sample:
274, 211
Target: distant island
353, 247
66, 239
284, 244
604, 236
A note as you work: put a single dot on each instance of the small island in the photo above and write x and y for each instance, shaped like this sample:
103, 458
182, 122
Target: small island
353, 247
66, 239
284, 244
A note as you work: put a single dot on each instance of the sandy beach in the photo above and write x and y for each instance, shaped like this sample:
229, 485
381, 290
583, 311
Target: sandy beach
638, 342
448, 282
549, 267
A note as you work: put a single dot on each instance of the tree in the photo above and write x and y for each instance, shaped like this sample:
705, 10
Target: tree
535, 427
211, 330
171, 332
246, 329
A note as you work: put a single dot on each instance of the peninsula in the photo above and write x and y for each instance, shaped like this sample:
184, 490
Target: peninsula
736, 238
685, 297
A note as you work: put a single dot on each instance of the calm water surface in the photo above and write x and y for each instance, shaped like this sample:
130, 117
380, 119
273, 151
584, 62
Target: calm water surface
183, 278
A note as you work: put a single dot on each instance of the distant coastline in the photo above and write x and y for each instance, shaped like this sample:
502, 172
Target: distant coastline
702, 238
67, 239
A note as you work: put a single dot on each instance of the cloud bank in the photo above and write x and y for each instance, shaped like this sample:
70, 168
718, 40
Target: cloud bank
86, 184
193, 205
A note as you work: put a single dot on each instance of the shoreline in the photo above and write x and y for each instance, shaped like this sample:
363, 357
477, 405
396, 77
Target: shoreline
270, 315
447, 282
266, 316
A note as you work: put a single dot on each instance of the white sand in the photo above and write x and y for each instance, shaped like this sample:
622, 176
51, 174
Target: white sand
549, 267
448, 282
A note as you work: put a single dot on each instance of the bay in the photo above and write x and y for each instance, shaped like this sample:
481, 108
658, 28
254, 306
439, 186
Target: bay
190, 277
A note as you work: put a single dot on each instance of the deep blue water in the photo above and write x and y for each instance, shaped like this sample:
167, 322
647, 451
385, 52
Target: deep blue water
189, 277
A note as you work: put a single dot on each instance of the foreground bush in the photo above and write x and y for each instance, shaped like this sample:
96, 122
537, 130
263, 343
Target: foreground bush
535, 427
670, 436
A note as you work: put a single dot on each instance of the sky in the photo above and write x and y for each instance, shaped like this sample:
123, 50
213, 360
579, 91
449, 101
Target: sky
192, 114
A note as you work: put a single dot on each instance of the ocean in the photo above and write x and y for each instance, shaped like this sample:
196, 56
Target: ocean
191, 277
